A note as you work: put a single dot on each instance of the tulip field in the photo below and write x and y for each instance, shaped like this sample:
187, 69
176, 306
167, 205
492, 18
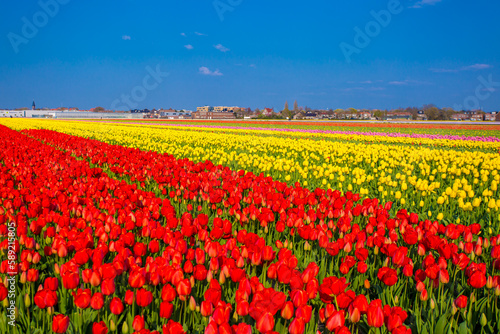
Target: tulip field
244, 227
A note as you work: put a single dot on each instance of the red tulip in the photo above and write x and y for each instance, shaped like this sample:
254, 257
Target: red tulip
461, 301
116, 306
336, 320
95, 279
70, 280
242, 328
50, 298
39, 298
129, 297
82, 298
138, 323
136, 279
60, 323
99, 328
3, 292
206, 308
212, 328
51, 283
108, 287
173, 327
388, 275
331, 287
168, 293
375, 315
144, 297
424, 295
242, 308
477, 279
287, 311
265, 323
184, 287
355, 315
97, 301
166, 309
297, 326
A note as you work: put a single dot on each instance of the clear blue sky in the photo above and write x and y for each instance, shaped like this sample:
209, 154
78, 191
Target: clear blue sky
253, 53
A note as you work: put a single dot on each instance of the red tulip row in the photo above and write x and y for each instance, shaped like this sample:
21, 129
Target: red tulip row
380, 256
425, 236
476, 279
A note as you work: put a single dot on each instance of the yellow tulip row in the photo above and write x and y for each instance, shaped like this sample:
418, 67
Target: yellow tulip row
450, 181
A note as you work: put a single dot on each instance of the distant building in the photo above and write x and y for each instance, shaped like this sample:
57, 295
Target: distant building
12, 113
490, 117
267, 111
399, 115
172, 114
205, 109
33, 106
310, 115
477, 117
365, 115
219, 112
459, 117
212, 115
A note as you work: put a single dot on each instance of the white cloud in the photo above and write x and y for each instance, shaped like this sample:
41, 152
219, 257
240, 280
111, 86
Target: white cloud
199, 33
183, 34
206, 71
253, 65
474, 67
398, 83
408, 82
369, 89
221, 48
189, 47
126, 38
443, 70
422, 3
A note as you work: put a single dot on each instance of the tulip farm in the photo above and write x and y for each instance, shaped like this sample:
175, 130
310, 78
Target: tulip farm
228, 227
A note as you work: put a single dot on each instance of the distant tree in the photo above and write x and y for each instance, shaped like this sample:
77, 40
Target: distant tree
307, 109
432, 112
295, 107
379, 114
99, 109
497, 118
448, 112
413, 111
257, 111
286, 112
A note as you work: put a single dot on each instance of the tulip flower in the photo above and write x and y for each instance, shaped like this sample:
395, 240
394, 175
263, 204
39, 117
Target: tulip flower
116, 306
99, 328
138, 323
297, 326
265, 323
375, 315
461, 301
60, 323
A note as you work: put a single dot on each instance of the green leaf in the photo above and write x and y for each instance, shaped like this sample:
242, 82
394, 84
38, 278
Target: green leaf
462, 329
441, 324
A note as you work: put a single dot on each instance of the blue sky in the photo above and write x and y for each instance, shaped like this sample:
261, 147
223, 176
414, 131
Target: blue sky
116, 54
